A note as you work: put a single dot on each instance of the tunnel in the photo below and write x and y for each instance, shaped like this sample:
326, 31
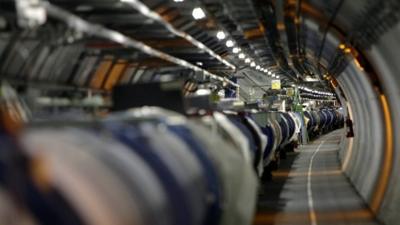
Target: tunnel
199, 112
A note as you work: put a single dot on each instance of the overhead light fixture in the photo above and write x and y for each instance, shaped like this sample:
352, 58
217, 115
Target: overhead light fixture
258, 67
308, 78
198, 13
277, 76
248, 60
201, 46
236, 50
203, 92
199, 63
269, 73
241, 56
221, 35
229, 43
252, 64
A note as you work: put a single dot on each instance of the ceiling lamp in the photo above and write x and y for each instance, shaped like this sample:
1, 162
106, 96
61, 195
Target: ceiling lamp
241, 56
269, 73
198, 13
308, 78
258, 67
253, 64
229, 43
201, 46
203, 92
221, 35
236, 50
248, 60
178, 0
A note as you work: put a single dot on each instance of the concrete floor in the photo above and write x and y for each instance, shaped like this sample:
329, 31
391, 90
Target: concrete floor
310, 188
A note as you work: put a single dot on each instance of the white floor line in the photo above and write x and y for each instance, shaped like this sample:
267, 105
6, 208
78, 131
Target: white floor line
313, 216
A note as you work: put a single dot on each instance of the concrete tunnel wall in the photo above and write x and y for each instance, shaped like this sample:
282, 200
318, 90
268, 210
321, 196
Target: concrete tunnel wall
385, 57
362, 161
372, 158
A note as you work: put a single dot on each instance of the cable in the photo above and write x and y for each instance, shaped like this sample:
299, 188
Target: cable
330, 22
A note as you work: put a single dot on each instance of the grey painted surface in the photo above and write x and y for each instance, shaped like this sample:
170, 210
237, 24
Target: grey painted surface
368, 144
285, 200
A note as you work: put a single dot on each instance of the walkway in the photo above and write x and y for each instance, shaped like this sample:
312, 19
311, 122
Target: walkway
310, 189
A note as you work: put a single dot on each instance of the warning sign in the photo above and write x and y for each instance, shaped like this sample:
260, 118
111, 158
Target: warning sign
290, 92
276, 84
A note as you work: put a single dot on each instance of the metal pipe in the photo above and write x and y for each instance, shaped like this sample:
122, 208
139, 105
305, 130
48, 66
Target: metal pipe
84, 26
144, 10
